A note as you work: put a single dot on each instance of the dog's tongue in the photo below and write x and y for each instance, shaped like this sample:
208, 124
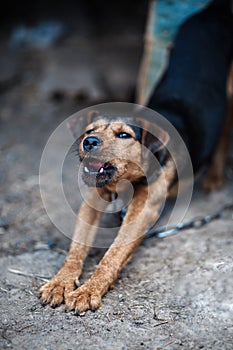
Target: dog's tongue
96, 165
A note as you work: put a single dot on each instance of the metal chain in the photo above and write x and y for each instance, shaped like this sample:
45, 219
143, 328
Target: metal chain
196, 223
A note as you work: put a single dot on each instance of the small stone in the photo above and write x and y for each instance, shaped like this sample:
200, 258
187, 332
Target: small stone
2, 231
121, 298
139, 322
41, 246
4, 223
51, 244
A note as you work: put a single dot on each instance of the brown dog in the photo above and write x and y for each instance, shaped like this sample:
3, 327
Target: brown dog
110, 151
192, 96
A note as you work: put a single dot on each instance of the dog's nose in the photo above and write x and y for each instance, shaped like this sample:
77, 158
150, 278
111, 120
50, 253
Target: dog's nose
91, 143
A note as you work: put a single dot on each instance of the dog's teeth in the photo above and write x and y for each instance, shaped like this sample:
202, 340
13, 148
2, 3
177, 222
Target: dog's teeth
86, 169
101, 170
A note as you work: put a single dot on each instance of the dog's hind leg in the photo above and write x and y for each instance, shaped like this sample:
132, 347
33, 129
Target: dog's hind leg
215, 175
55, 291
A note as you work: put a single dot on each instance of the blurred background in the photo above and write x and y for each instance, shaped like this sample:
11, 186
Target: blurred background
57, 57
87, 51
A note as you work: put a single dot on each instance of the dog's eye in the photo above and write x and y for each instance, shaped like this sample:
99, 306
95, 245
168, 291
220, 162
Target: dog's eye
123, 135
89, 131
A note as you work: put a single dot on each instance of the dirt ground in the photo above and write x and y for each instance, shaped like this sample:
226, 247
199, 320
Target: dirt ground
175, 293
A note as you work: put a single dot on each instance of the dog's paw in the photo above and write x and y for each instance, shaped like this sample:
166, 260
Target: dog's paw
55, 291
212, 183
83, 299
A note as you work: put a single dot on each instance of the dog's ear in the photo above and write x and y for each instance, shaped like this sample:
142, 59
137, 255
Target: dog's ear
77, 125
153, 137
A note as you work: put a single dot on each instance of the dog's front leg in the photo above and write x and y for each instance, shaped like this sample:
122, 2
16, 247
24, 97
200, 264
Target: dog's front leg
56, 291
140, 214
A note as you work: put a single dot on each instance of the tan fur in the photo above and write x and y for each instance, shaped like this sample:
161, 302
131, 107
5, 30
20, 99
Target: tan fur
131, 161
129, 158
129, 151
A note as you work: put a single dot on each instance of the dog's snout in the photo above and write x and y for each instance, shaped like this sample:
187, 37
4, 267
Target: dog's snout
91, 143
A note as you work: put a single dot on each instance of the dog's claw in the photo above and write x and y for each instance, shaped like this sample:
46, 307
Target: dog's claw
77, 312
80, 314
54, 306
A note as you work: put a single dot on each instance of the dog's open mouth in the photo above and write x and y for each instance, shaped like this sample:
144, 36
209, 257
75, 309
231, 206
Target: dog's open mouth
97, 172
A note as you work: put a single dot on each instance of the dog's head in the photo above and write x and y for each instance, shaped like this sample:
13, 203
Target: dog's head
110, 148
